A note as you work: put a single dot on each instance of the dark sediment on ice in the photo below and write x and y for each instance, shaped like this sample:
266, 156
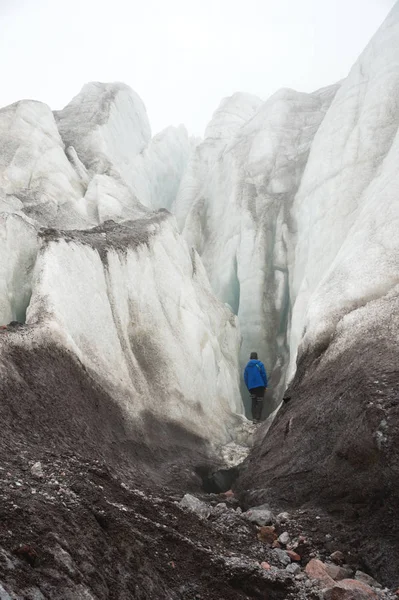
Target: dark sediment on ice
98, 519
334, 446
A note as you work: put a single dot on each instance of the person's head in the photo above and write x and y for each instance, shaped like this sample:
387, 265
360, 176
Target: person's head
254, 355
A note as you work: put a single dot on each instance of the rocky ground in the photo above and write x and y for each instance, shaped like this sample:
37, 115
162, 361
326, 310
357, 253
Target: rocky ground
92, 509
70, 528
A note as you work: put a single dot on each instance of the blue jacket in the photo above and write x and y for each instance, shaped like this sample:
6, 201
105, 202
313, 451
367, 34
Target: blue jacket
255, 374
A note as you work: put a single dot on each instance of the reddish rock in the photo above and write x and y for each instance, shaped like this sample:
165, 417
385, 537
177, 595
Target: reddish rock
267, 534
266, 566
337, 557
350, 589
229, 494
276, 544
294, 556
315, 569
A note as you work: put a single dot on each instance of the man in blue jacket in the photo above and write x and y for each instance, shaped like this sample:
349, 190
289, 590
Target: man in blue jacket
256, 381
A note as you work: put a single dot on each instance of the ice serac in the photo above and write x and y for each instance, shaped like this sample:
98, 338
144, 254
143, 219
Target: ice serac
234, 208
36, 177
107, 125
335, 442
107, 134
135, 307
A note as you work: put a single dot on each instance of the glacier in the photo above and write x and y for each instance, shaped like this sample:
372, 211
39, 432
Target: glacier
138, 272
96, 265
234, 207
136, 308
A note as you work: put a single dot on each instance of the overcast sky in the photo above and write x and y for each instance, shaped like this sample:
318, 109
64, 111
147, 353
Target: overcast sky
181, 56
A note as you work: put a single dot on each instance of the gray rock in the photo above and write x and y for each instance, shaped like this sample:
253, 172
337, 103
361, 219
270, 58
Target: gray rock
63, 558
261, 515
283, 517
293, 568
281, 556
219, 509
284, 538
7, 560
367, 579
196, 506
37, 470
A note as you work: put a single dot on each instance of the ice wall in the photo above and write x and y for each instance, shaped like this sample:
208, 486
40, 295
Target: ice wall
96, 271
346, 213
234, 208
136, 308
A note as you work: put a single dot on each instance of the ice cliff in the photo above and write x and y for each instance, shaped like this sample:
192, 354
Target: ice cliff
93, 267
234, 206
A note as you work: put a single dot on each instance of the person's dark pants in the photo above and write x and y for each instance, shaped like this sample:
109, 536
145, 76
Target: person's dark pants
257, 396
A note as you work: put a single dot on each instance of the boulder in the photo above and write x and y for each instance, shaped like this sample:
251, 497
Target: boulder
337, 572
316, 570
196, 506
37, 470
350, 589
261, 515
